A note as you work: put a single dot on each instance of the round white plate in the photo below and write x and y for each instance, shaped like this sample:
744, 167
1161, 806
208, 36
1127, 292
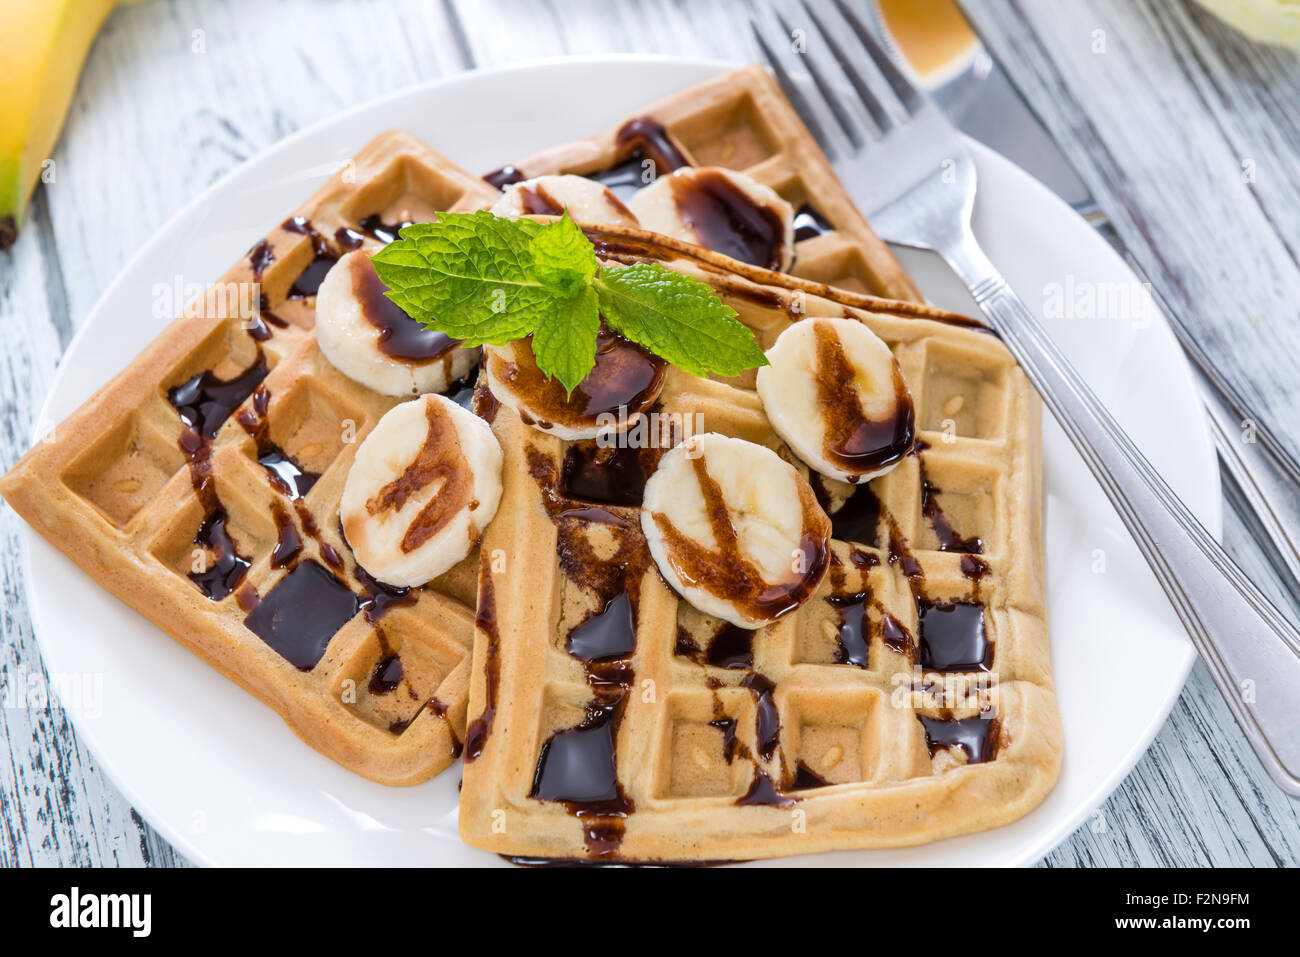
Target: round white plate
226, 782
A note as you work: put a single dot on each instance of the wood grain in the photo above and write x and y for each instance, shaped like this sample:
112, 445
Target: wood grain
162, 111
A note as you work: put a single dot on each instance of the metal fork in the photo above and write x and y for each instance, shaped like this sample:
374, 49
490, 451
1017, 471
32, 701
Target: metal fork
912, 166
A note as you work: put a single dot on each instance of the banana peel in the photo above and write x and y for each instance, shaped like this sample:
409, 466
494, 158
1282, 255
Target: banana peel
43, 44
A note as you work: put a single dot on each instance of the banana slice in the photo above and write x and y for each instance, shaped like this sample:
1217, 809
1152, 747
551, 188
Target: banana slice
735, 529
370, 340
834, 392
625, 382
722, 210
586, 200
425, 483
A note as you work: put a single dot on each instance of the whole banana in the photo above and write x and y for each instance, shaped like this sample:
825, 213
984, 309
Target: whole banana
43, 44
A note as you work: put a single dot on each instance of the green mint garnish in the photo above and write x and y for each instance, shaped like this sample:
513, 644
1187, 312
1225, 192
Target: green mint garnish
488, 280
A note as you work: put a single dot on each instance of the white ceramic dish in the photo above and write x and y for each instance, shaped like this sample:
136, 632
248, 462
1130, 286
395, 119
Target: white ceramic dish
223, 779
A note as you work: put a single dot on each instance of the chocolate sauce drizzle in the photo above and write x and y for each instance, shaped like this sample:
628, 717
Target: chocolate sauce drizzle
726, 220
385, 232
953, 637
400, 336
324, 256
977, 736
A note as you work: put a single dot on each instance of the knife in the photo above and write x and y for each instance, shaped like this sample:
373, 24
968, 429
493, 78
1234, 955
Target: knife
936, 41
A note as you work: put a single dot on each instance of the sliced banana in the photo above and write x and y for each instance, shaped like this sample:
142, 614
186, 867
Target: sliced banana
722, 210
368, 338
735, 529
586, 200
834, 392
424, 484
625, 382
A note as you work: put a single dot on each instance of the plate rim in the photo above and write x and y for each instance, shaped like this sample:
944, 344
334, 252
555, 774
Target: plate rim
39, 613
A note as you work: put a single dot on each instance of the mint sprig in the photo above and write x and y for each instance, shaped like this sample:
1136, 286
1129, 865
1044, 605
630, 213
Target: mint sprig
488, 281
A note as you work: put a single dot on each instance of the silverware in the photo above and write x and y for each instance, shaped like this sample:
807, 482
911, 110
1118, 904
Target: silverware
899, 154
982, 101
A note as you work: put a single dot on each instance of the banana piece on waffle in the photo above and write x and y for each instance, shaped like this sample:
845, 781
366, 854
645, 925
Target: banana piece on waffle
909, 699
738, 121
202, 486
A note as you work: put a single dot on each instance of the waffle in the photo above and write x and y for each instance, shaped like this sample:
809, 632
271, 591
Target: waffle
740, 121
189, 529
911, 699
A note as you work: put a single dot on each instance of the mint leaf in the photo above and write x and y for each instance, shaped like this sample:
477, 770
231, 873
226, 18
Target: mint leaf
469, 275
564, 343
678, 318
564, 258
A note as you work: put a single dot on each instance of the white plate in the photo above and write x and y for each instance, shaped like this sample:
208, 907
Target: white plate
226, 782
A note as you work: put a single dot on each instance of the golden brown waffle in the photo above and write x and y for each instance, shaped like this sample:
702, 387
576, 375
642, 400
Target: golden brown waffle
742, 121
825, 730
125, 490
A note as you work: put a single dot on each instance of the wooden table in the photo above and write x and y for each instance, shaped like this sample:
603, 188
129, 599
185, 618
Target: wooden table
178, 92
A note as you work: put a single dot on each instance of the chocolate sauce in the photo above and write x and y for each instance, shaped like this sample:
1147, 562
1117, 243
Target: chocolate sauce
613, 475
608, 634
806, 778
226, 570
288, 542
769, 719
894, 634
977, 736
385, 232
387, 675
974, 568
300, 615
260, 257
725, 219
400, 336
504, 176
854, 637
285, 473
462, 391
731, 647
347, 238
952, 637
730, 742
538, 201
858, 517
485, 622
578, 768
325, 256
205, 402
949, 540
625, 378
764, 792
644, 136
378, 598
853, 442
809, 223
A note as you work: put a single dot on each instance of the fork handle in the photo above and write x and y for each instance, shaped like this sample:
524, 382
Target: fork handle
1252, 652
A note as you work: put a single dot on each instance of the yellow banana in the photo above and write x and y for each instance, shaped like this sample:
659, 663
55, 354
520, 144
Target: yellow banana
42, 46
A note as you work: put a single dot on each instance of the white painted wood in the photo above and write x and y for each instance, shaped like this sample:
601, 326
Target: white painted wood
1159, 125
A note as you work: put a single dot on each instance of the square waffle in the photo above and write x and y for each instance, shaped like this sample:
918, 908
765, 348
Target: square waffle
202, 484
910, 699
742, 121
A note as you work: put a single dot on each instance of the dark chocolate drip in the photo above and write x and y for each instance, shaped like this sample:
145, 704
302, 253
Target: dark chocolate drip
725, 219
400, 336
204, 402
949, 539
853, 633
806, 778
764, 792
644, 136
260, 257
769, 719
285, 473
387, 676
952, 637
809, 223
288, 542
855, 443
504, 176
298, 617
612, 475
977, 736
385, 232
324, 257
485, 623
226, 569
607, 634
